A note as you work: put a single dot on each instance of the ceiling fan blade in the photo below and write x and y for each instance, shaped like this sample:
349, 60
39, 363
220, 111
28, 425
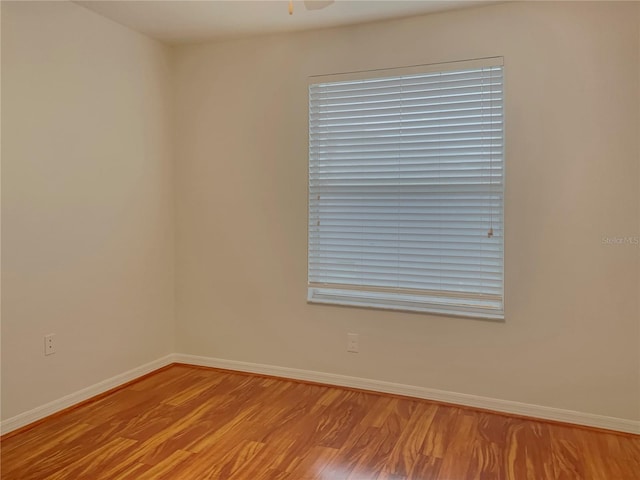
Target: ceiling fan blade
317, 4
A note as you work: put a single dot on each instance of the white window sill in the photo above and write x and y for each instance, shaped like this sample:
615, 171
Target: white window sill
479, 308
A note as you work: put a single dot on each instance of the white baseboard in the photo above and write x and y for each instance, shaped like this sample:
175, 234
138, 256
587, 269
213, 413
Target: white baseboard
497, 405
494, 404
50, 408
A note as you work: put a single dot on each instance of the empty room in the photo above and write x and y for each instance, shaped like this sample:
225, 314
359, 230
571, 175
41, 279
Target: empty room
320, 240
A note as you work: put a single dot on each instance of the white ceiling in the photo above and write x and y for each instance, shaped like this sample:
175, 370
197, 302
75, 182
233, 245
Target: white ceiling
175, 21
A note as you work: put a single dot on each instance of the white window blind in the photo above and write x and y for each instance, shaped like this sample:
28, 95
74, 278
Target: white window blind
406, 189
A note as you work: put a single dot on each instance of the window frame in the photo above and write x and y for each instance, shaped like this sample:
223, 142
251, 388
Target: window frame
397, 304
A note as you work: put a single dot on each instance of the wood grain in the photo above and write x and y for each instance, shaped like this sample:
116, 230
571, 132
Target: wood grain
192, 423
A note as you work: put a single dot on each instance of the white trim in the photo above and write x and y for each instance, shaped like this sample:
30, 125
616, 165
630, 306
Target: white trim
407, 70
494, 404
50, 408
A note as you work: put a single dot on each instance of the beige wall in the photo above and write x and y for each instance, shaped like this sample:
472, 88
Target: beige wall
87, 233
570, 339
87, 205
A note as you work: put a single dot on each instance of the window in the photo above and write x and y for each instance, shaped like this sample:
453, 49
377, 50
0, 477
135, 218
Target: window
406, 188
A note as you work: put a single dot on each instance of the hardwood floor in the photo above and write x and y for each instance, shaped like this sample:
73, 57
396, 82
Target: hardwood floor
190, 423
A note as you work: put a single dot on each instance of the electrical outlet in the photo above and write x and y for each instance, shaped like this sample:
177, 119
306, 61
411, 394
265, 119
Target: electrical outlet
49, 344
352, 343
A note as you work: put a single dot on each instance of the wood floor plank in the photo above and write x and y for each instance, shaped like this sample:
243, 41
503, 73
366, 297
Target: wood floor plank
168, 468
488, 449
538, 449
487, 462
459, 451
410, 443
221, 463
24, 449
568, 457
133, 471
191, 423
313, 462
97, 462
516, 450
440, 434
